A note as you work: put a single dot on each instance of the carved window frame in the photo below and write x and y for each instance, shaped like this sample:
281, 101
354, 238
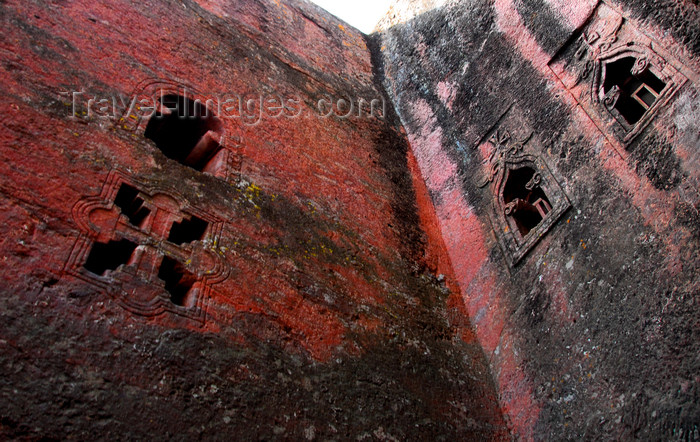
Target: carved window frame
645, 58
508, 155
100, 220
608, 36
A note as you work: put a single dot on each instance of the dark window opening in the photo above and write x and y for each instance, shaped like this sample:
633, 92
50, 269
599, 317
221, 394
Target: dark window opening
188, 230
185, 131
645, 96
524, 200
178, 281
635, 94
109, 256
131, 204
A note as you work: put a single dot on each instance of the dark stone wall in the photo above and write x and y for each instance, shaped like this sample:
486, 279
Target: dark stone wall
594, 333
347, 256
323, 316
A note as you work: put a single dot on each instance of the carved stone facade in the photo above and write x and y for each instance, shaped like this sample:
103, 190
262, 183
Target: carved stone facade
527, 200
148, 248
620, 76
589, 326
347, 281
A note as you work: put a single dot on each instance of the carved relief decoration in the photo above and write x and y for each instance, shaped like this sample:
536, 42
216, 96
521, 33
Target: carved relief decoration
624, 81
527, 199
148, 248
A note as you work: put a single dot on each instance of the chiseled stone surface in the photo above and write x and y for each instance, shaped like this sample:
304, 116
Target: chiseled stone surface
336, 273
594, 333
319, 311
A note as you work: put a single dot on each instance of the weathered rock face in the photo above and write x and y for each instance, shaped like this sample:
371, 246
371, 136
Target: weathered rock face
264, 270
567, 201
216, 225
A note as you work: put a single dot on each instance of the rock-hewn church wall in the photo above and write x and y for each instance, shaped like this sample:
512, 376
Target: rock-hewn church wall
195, 244
559, 142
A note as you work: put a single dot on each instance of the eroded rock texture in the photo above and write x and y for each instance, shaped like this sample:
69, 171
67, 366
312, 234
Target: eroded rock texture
245, 219
245, 275
588, 317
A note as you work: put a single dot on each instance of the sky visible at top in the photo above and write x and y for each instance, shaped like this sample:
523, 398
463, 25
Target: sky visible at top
362, 14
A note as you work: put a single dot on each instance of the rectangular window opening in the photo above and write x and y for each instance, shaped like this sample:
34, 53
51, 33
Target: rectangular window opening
178, 281
131, 205
109, 256
543, 206
188, 230
645, 96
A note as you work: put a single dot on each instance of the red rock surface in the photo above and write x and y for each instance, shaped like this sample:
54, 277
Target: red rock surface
315, 310
302, 273
593, 334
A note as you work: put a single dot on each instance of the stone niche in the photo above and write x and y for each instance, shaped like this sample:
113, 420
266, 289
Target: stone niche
148, 248
526, 199
182, 123
620, 76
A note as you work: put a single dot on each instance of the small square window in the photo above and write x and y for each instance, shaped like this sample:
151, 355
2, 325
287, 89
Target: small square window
645, 96
630, 91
